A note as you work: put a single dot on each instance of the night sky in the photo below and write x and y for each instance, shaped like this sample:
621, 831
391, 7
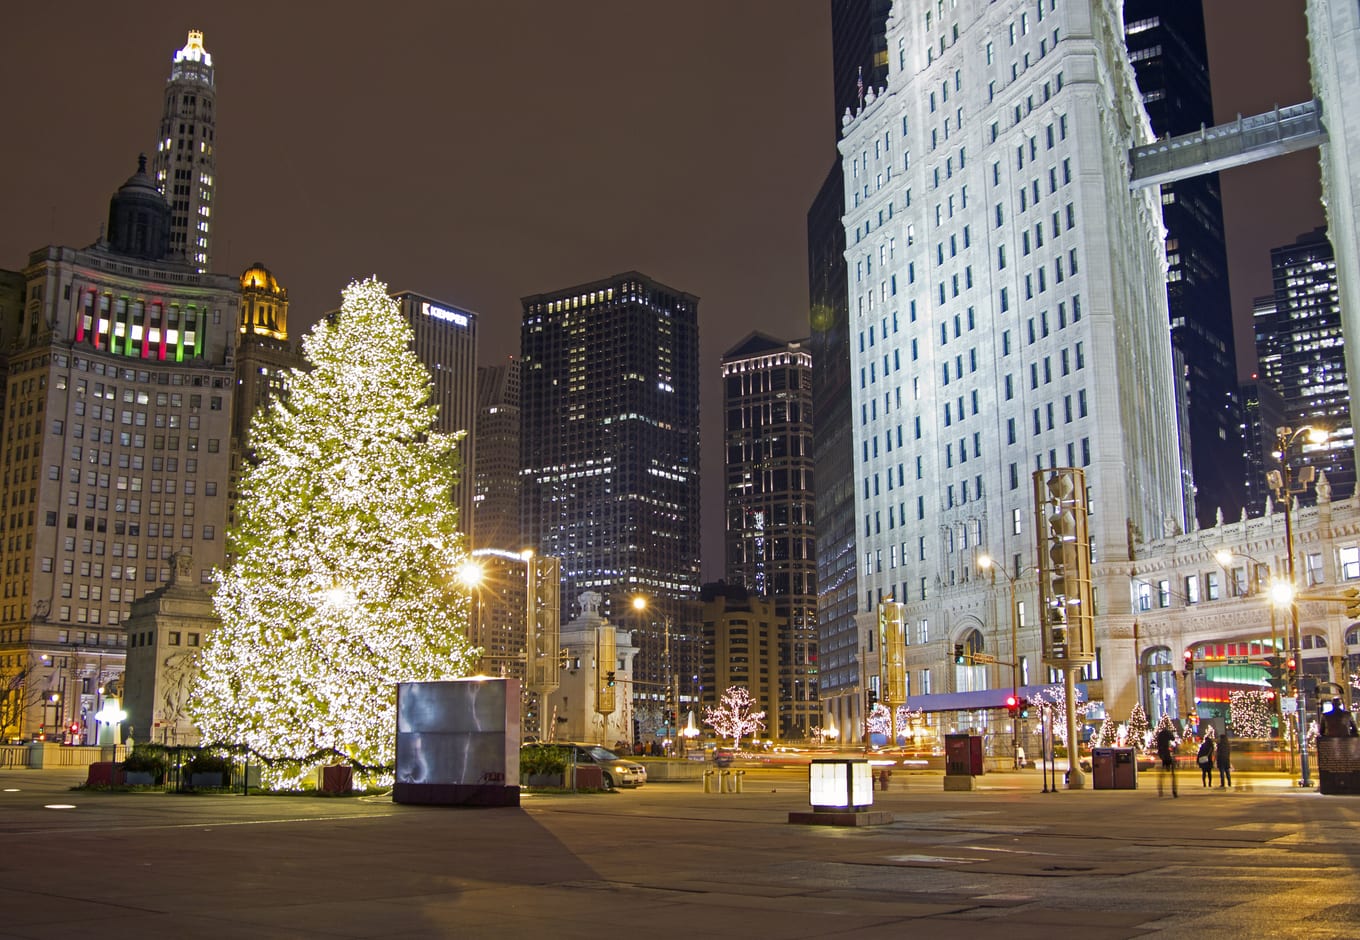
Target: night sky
481, 152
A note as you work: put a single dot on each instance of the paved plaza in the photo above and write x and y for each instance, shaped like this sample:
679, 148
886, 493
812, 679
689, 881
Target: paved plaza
668, 860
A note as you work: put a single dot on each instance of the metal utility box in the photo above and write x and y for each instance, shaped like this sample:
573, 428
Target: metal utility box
963, 755
1114, 768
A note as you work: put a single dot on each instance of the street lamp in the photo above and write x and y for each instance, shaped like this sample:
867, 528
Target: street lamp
986, 563
473, 575
672, 692
1225, 557
1287, 483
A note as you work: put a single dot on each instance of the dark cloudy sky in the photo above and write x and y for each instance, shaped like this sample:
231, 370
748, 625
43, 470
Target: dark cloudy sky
479, 152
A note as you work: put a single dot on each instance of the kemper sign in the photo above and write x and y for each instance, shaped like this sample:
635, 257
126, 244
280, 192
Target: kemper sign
440, 313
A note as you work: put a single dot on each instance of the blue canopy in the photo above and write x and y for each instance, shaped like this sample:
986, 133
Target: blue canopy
976, 701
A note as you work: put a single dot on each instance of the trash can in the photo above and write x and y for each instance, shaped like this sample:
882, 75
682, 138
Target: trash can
1102, 768
1125, 768
1114, 768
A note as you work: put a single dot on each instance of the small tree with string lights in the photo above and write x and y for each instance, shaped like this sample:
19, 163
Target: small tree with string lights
735, 715
1136, 731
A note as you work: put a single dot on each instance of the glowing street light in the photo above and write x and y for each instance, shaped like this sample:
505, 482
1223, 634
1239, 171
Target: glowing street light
672, 696
1287, 482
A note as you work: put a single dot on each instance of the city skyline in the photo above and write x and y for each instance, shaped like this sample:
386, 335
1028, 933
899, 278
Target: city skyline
575, 127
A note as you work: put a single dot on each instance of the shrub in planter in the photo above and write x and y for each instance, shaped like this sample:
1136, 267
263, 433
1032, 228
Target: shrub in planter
144, 766
207, 770
541, 766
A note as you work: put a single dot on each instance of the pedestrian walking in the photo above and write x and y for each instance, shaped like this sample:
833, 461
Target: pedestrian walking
1165, 740
1224, 760
1205, 759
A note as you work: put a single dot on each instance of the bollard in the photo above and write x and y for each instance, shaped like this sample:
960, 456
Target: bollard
884, 776
737, 779
709, 780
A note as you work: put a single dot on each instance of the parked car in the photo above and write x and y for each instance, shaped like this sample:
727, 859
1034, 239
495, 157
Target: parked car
618, 771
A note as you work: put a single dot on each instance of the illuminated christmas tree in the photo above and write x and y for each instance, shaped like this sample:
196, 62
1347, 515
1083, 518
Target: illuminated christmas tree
1249, 712
1108, 733
1166, 722
1137, 729
344, 553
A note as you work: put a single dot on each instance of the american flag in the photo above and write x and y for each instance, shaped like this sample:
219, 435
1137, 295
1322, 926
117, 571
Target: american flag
859, 85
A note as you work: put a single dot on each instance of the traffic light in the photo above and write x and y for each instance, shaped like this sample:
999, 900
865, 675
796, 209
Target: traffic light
1189, 661
1275, 668
1353, 603
1023, 708
959, 656
609, 679
871, 698
1013, 706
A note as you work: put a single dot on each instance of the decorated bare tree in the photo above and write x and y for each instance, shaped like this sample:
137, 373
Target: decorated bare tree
20, 691
876, 722
735, 716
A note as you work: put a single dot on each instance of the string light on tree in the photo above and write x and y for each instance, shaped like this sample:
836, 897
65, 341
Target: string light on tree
735, 716
1108, 733
1250, 711
345, 553
1138, 733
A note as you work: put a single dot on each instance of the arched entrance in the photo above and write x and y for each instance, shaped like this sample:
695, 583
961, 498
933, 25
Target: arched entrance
967, 676
1158, 693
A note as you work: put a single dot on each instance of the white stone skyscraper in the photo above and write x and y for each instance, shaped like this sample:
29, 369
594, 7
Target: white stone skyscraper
184, 164
1007, 313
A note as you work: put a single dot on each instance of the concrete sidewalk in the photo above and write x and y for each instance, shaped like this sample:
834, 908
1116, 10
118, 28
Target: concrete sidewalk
671, 861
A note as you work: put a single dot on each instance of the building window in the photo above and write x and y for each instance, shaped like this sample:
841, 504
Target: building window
1313, 565
1350, 563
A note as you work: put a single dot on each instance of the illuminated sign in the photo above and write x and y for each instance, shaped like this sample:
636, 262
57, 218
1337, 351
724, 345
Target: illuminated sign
440, 313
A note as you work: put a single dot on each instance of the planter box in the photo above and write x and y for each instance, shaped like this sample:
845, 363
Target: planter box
207, 780
336, 778
139, 778
544, 780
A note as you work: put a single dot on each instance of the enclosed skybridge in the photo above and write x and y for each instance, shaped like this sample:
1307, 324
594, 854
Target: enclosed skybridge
1238, 143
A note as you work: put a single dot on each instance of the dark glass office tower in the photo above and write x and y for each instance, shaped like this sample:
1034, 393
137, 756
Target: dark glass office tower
767, 438
1262, 414
859, 54
609, 446
1165, 39
1302, 353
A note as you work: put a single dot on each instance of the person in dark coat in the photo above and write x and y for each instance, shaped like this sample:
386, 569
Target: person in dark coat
1165, 740
1205, 759
1224, 760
